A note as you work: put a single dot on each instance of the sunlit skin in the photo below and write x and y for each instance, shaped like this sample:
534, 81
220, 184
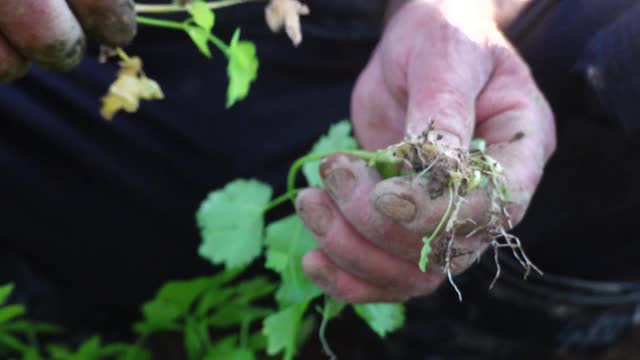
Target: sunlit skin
439, 60
443, 61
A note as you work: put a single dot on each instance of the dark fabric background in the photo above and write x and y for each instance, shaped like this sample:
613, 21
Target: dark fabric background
95, 215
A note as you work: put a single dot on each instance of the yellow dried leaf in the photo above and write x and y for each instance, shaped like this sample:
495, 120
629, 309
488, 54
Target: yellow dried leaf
131, 86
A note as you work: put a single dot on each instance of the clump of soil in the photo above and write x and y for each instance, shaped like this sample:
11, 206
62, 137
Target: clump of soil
458, 172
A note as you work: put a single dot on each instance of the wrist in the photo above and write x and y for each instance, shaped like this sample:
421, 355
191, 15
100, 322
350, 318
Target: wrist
473, 19
501, 12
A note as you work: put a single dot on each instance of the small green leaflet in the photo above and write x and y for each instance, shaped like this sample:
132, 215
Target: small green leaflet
242, 69
382, 318
27, 327
88, 350
5, 292
424, 253
200, 25
231, 223
92, 349
11, 312
282, 330
227, 349
176, 298
12, 342
122, 351
339, 138
202, 15
479, 145
287, 241
200, 37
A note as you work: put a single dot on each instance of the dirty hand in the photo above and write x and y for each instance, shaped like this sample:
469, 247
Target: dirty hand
51, 33
441, 61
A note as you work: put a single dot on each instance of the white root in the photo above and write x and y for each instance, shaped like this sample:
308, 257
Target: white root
461, 169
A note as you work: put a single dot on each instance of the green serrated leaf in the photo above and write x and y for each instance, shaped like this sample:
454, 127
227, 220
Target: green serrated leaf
123, 351
26, 327
31, 354
338, 138
253, 289
242, 68
202, 15
287, 241
10, 312
234, 314
232, 354
59, 352
231, 223
282, 330
381, 318
200, 37
213, 298
90, 349
153, 326
175, 299
5, 292
227, 349
13, 343
135, 353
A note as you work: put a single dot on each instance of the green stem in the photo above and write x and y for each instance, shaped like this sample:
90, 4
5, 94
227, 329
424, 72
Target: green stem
160, 23
426, 248
293, 170
123, 55
281, 199
184, 26
173, 8
220, 44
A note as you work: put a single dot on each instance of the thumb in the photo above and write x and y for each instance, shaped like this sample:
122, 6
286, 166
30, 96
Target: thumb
445, 73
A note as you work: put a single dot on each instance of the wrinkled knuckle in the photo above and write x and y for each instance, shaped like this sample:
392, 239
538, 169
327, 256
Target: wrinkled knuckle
121, 35
421, 287
330, 243
344, 293
453, 104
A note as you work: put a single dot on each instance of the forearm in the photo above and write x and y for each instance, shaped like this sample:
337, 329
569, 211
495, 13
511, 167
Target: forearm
503, 12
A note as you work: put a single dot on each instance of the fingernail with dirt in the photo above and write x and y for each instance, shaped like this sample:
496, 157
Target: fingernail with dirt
397, 207
317, 217
340, 182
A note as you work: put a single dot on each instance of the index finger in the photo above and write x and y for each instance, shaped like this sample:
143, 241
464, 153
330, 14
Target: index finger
44, 31
111, 22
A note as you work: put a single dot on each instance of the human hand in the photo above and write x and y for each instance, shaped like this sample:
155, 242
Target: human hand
441, 61
51, 33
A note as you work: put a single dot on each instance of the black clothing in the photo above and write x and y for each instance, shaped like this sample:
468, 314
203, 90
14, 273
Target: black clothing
97, 215
103, 213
